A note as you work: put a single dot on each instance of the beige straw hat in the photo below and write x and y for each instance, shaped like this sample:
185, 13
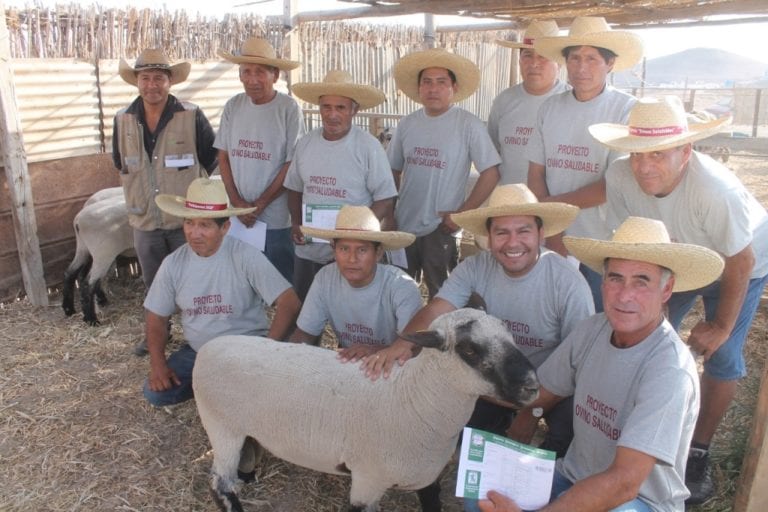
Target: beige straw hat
258, 51
206, 199
517, 199
153, 58
655, 124
647, 240
537, 29
359, 223
339, 83
594, 31
407, 71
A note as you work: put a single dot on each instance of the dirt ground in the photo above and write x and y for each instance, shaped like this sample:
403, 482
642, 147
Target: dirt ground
76, 434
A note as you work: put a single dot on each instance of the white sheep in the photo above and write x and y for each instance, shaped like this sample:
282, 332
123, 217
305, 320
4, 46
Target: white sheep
102, 233
304, 406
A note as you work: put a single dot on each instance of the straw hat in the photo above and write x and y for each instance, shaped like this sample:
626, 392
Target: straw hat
258, 51
655, 124
359, 223
647, 240
206, 199
517, 199
153, 58
594, 31
408, 68
339, 83
537, 29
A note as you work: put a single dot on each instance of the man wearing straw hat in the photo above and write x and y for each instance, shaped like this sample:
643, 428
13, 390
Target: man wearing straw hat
702, 202
256, 139
431, 153
534, 291
634, 382
159, 145
566, 164
219, 285
513, 113
342, 293
334, 165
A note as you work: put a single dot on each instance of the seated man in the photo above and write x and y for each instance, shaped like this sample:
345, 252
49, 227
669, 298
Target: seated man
220, 285
634, 382
366, 302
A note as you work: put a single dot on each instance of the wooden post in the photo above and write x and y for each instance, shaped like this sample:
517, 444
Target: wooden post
17, 176
756, 115
290, 8
429, 31
752, 494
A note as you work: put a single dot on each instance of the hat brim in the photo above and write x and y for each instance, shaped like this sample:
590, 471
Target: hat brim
556, 217
627, 46
283, 64
364, 95
407, 71
513, 44
179, 72
694, 266
176, 206
617, 137
389, 240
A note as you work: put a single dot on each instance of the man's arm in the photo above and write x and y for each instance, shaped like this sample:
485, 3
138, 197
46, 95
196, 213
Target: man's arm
524, 425
401, 350
384, 209
537, 180
396, 175
287, 306
225, 169
300, 336
116, 158
161, 377
295, 200
584, 197
485, 184
707, 337
274, 189
206, 153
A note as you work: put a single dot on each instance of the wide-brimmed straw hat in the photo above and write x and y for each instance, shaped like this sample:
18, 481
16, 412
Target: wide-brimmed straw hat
153, 58
339, 83
359, 223
206, 199
258, 51
536, 30
655, 124
517, 199
594, 31
407, 71
647, 240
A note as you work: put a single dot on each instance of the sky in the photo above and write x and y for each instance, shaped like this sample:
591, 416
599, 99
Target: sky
742, 38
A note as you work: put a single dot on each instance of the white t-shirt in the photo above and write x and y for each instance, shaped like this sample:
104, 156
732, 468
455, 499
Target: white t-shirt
539, 308
434, 155
709, 207
645, 397
371, 315
571, 156
353, 170
226, 293
259, 140
511, 123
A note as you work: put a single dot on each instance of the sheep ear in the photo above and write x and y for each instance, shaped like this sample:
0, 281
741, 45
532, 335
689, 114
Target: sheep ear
427, 339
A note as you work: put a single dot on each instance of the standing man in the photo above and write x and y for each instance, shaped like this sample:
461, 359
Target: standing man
566, 164
431, 154
633, 381
159, 145
513, 113
700, 202
256, 139
334, 165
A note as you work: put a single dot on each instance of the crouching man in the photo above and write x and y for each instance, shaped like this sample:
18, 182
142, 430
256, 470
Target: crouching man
219, 284
634, 382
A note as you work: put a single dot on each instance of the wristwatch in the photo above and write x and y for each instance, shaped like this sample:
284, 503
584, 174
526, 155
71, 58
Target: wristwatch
537, 412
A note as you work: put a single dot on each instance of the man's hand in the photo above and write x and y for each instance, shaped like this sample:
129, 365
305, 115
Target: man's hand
249, 219
706, 338
555, 243
382, 362
356, 352
497, 502
162, 378
297, 236
447, 226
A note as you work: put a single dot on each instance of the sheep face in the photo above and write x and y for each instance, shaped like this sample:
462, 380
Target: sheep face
484, 343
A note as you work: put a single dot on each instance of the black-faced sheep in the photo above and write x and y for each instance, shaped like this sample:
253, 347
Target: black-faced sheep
102, 233
304, 406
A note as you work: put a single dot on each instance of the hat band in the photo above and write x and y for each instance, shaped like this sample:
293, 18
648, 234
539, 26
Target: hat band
153, 66
528, 40
659, 131
205, 206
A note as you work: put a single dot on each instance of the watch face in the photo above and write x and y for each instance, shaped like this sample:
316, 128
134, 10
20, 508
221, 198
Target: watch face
537, 412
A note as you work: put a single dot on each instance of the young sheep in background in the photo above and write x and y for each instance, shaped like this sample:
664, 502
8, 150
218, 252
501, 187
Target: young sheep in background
102, 233
304, 406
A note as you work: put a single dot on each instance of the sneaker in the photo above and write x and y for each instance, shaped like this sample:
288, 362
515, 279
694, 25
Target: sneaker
698, 477
140, 350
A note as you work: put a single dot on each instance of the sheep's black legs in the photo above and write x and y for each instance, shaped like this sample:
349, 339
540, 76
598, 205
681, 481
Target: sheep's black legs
429, 497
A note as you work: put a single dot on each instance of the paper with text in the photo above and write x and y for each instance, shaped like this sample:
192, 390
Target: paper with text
320, 216
256, 235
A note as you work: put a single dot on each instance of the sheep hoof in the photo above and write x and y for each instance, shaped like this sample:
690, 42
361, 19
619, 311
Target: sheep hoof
247, 478
68, 310
93, 322
226, 501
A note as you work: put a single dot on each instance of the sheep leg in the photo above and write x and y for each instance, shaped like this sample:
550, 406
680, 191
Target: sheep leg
87, 303
98, 292
429, 497
68, 290
365, 493
226, 455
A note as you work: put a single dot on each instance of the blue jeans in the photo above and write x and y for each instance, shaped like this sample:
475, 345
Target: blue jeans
727, 363
278, 248
595, 282
181, 362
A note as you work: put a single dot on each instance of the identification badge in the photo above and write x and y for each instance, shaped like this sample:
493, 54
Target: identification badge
181, 160
131, 161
